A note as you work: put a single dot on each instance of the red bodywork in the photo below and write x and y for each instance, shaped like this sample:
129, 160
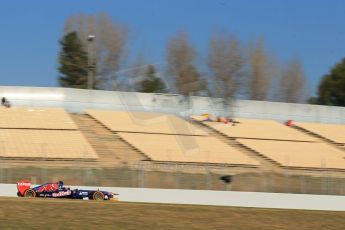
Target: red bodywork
25, 185
50, 187
22, 186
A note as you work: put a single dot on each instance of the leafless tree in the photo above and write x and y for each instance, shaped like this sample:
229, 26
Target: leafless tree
260, 74
225, 61
292, 82
181, 58
108, 46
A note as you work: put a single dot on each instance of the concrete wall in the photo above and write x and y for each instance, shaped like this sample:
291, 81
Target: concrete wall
76, 100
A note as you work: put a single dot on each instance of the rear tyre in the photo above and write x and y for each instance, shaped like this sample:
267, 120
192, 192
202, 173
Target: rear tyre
98, 195
30, 193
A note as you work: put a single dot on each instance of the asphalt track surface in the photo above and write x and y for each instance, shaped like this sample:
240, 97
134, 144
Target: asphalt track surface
216, 198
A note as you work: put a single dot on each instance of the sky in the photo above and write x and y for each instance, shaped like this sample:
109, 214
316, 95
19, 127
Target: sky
311, 30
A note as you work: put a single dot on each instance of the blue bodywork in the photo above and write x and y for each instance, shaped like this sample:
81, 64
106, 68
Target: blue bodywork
58, 190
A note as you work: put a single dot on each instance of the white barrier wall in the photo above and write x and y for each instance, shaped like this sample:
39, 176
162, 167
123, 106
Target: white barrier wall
219, 198
76, 100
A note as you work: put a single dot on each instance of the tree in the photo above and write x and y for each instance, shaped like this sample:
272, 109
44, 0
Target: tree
108, 47
292, 83
73, 62
151, 83
260, 77
331, 90
225, 61
181, 58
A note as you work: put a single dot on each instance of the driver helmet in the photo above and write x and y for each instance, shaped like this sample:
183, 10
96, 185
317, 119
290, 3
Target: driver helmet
60, 184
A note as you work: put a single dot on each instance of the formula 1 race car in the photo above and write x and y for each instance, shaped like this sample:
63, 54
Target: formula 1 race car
58, 190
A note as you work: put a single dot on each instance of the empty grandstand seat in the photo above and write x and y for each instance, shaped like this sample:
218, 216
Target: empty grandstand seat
144, 122
26, 143
196, 149
298, 154
35, 118
259, 129
333, 132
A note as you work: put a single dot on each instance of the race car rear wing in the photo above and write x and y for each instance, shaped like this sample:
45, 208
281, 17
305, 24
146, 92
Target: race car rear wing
22, 186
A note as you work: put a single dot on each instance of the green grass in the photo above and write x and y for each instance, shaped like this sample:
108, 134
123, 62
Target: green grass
21, 213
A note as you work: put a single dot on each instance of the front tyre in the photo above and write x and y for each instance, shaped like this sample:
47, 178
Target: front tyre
98, 195
30, 193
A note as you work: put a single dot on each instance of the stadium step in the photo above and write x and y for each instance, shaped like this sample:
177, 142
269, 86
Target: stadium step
320, 138
111, 149
266, 163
